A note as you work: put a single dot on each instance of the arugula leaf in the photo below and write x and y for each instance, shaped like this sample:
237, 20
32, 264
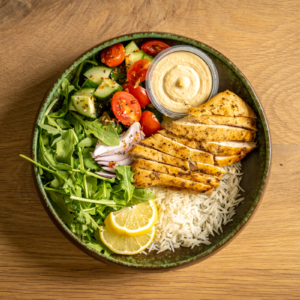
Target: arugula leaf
65, 90
119, 74
52, 122
61, 208
65, 147
48, 157
88, 142
91, 185
125, 175
77, 126
86, 219
60, 179
105, 133
78, 72
50, 129
99, 247
141, 196
88, 160
104, 191
56, 140
63, 124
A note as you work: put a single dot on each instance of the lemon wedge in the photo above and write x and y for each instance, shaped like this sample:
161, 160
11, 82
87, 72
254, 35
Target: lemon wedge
132, 221
125, 245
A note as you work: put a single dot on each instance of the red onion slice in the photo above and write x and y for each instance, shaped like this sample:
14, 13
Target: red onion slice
107, 175
125, 162
104, 163
133, 135
112, 158
112, 170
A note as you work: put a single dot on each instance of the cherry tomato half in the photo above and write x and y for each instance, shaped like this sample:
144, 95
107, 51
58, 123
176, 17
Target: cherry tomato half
137, 72
154, 47
138, 92
149, 123
126, 108
113, 55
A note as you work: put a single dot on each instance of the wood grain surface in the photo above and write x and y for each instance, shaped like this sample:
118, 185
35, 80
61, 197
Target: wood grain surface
38, 39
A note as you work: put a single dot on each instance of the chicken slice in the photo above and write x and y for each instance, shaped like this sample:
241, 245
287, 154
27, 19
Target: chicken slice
145, 178
202, 132
207, 169
189, 143
229, 148
147, 153
139, 151
174, 171
223, 161
224, 104
242, 122
176, 149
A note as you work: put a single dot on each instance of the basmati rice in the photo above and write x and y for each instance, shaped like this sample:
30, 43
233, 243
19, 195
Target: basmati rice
187, 220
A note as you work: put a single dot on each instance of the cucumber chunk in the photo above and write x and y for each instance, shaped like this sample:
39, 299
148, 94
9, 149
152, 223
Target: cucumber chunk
97, 74
85, 92
85, 105
131, 58
71, 106
146, 56
88, 83
131, 47
107, 89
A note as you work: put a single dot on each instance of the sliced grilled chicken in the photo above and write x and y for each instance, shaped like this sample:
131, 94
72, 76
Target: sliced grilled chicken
223, 161
242, 122
151, 154
229, 148
174, 171
176, 149
154, 155
203, 132
207, 169
224, 104
189, 143
145, 178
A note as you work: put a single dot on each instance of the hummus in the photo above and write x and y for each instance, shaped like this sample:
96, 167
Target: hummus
181, 80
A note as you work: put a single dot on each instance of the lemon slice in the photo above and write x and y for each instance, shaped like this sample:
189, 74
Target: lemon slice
125, 245
133, 221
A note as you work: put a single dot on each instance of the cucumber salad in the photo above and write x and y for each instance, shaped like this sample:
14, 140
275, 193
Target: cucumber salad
84, 138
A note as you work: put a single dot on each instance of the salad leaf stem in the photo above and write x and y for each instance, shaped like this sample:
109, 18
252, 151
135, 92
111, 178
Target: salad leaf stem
48, 110
47, 188
43, 167
109, 203
111, 180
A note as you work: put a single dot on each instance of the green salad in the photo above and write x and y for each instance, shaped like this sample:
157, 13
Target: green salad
82, 119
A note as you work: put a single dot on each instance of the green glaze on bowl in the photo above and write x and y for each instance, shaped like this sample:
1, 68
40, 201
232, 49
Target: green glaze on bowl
256, 166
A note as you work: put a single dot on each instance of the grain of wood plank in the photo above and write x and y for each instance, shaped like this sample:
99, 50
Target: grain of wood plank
41, 38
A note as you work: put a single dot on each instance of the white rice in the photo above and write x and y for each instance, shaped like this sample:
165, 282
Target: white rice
187, 220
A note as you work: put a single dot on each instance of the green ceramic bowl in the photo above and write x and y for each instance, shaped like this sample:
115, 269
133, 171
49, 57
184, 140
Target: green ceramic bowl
256, 166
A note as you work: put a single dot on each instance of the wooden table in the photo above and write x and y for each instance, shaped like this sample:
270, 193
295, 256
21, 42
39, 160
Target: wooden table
40, 38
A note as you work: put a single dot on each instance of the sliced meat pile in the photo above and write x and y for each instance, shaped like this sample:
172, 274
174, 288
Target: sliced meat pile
188, 154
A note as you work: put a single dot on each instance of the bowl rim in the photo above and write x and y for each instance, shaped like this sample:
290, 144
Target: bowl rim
110, 260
